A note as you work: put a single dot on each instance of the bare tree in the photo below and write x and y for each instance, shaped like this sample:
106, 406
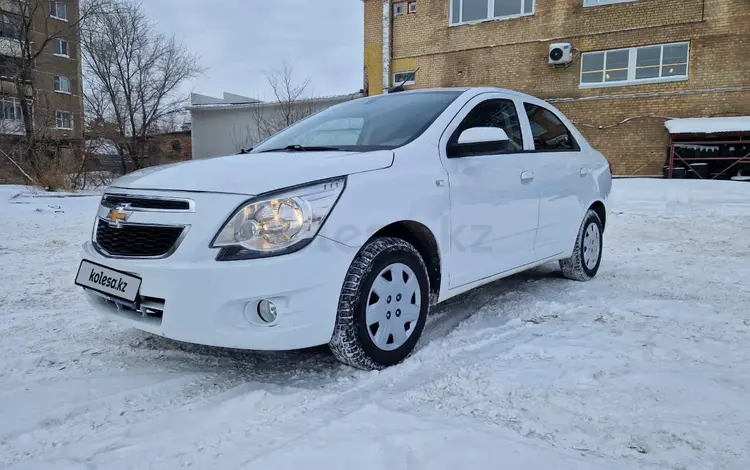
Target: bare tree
30, 36
134, 74
292, 102
292, 97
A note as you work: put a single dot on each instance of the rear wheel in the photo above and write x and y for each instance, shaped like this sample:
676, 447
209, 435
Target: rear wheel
587, 254
383, 305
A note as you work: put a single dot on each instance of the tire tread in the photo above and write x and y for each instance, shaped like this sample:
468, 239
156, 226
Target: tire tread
345, 343
572, 268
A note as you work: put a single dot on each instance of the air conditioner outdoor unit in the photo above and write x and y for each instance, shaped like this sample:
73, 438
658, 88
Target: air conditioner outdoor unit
560, 53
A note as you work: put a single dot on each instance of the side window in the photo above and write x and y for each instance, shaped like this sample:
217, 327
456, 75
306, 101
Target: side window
494, 113
550, 134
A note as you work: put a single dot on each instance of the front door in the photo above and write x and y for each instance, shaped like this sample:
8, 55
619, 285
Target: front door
494, 197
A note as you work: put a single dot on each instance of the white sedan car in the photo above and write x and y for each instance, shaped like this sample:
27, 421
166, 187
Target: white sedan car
344, 228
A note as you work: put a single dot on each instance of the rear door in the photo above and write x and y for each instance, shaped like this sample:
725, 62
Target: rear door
561, 179
494, 198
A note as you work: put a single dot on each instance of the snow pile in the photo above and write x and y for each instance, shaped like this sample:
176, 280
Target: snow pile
645, 367
709, 125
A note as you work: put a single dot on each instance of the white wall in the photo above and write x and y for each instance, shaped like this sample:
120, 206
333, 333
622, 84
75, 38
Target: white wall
221, 132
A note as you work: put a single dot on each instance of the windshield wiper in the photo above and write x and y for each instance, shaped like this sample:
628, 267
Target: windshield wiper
301, 148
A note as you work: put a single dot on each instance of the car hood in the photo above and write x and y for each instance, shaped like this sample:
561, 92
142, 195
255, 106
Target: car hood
254, 173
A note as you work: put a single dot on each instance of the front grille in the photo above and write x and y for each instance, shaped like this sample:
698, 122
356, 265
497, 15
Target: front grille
111, 200
136, 240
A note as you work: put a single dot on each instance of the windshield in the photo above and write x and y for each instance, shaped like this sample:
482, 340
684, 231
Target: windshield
377, 123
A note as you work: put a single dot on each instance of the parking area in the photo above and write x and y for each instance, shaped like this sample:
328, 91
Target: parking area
646, 366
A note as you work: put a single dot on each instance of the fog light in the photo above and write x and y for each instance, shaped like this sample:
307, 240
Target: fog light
267, 311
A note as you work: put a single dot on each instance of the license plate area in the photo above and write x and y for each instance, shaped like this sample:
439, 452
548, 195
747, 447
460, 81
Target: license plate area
110, 282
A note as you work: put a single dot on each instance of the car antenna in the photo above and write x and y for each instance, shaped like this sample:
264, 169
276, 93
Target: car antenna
400, 87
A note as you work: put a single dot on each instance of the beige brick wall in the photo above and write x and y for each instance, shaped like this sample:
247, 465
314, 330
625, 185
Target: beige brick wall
513, 54
639, 146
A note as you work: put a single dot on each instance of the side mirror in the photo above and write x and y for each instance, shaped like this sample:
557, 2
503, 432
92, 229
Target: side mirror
482, 135
479, 141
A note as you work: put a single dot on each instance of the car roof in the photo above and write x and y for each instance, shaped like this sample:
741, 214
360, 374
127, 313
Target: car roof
473, 91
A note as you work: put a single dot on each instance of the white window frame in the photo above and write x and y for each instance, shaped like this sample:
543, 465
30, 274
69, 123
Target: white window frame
17, 111
411, 7
67, 47
59, 119
490, 12
59, 80
402, 6
56, 15
598, 3
408, 82
632, 60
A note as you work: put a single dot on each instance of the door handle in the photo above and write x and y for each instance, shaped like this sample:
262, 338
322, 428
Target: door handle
527, 176
585, 171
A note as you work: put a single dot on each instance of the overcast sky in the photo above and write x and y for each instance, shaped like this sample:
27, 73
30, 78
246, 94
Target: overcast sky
240, 39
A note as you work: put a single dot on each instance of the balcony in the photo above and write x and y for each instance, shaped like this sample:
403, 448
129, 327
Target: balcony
12, 127
8, 87
11, 6
10, 47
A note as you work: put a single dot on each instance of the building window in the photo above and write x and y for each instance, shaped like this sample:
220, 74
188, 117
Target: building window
58, 10
399, 9
60, 47
9, 26
405, 78
469, 11
412, 7
62, 84
549, 132
11, 108
64, 120
636, 65
594, 3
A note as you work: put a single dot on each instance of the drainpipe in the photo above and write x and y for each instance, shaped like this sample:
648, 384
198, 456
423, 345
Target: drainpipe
386, 45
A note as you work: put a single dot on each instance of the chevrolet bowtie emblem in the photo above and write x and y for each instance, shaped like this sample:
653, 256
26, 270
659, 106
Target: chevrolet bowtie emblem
117, 216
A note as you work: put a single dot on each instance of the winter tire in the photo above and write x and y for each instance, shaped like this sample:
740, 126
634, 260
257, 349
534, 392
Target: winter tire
587, 254
383, 305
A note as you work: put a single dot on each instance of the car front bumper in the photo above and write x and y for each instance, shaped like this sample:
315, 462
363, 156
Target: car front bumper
198, 300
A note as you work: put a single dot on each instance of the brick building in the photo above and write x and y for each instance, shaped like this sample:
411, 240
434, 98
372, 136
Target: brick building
161, 149
170, 147
57, 72
635, 63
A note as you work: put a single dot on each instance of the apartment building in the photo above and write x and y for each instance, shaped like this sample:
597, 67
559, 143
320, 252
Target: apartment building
56, 74
622, 68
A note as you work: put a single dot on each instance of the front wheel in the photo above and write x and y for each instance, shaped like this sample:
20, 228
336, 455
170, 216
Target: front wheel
587, 254
383, 305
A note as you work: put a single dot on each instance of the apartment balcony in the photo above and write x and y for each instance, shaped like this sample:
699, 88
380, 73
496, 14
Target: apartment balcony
12, 127
8, 87
10, 47
11, 6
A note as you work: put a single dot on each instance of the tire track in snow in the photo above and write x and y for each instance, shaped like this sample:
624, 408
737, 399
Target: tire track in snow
281, 411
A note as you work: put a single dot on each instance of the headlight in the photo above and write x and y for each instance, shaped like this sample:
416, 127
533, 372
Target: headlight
278, 223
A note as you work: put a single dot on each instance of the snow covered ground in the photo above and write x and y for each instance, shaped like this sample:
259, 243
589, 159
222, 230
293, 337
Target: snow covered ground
647, 366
